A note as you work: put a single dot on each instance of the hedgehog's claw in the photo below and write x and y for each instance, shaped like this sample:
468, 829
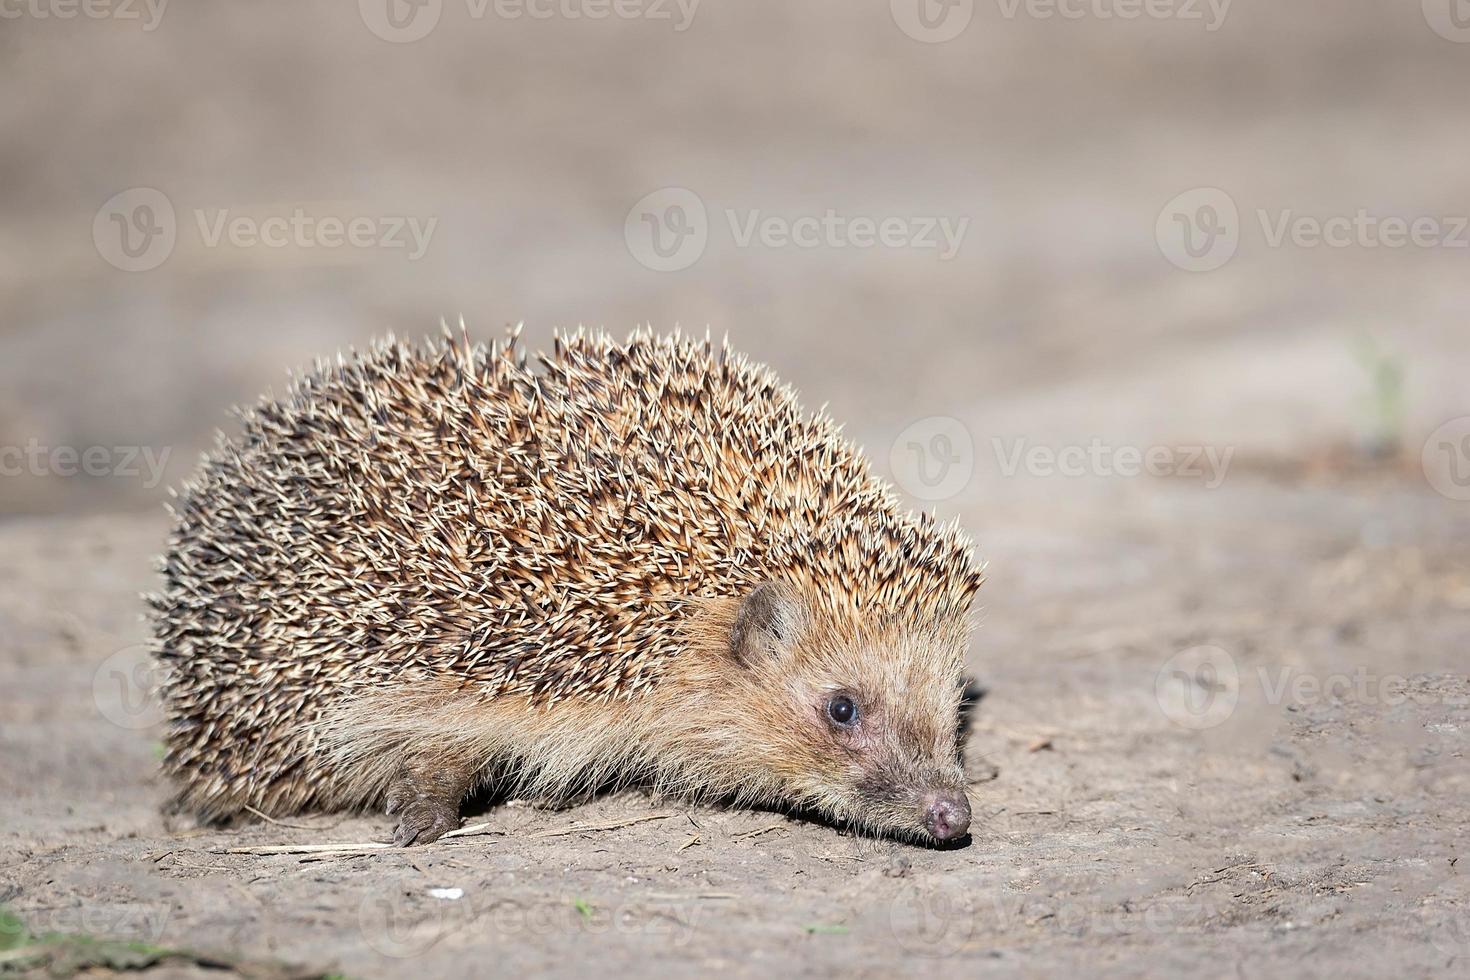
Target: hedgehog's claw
424, 821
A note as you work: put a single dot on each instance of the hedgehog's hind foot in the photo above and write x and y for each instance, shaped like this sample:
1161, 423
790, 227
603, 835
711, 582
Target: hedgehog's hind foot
425, 796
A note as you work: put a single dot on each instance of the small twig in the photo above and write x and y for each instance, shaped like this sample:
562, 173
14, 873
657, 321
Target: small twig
1222, 873
177, 863
693, 839
340, 856
756, 833
479, 828
470, 830
589, 828
281, 823
302, 849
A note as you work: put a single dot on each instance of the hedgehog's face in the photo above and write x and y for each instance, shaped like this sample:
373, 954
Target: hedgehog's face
863, 728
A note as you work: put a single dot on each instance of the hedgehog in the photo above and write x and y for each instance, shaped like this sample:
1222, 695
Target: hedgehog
443, 569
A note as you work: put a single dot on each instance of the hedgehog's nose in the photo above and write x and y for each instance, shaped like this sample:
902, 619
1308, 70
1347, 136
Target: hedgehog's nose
947, 815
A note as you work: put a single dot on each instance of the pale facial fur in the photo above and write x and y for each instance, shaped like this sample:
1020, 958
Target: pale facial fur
854, 716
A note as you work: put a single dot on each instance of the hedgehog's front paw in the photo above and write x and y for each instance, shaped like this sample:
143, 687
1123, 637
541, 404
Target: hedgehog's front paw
423, 820
425, 795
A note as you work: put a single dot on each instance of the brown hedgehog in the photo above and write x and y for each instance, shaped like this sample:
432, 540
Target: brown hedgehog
426, 570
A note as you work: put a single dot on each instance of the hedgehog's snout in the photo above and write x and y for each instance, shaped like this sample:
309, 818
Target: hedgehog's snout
947, 815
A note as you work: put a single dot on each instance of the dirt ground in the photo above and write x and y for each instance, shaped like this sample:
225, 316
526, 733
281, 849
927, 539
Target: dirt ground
1315, 832
1225, 704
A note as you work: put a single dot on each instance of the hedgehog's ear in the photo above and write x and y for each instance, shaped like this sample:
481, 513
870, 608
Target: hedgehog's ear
769, 621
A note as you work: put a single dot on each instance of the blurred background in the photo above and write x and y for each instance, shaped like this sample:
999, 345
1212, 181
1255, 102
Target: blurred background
177, 183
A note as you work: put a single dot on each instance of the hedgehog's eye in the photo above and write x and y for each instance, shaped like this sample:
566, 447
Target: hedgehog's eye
842, 711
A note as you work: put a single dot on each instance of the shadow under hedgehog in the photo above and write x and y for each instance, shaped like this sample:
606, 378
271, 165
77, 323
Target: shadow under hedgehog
429, 567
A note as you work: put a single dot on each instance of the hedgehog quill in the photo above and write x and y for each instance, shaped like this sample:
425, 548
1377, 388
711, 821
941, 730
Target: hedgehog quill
428, 569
